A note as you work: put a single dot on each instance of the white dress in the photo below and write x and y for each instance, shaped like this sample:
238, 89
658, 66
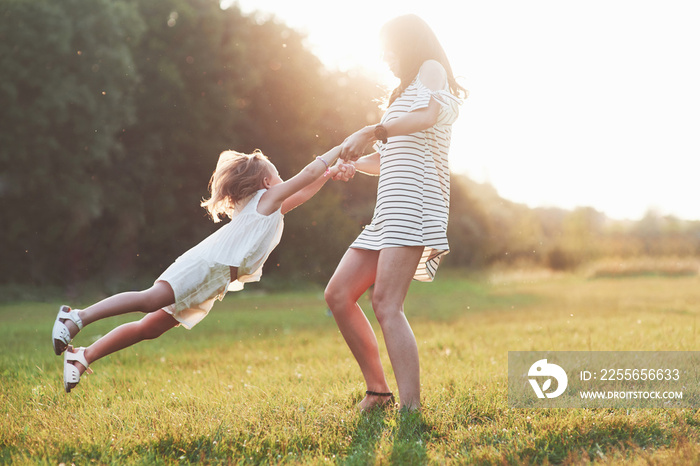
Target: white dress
413, 196
202, 274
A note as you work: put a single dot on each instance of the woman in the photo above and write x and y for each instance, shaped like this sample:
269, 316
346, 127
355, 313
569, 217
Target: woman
407, 236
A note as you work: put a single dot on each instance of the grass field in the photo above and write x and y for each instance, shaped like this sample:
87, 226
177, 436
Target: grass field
267, 378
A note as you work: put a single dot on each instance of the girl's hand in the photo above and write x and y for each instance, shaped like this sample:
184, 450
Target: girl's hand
343, 171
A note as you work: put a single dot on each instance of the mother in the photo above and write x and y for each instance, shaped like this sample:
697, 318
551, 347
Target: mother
408, 234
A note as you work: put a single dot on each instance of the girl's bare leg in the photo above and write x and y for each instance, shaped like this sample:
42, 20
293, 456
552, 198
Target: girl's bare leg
149, 327
395, 270
354, 275
157, 297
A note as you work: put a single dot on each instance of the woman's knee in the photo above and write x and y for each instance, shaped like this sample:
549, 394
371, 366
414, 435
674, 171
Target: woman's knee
333, 296
354, 275
339, 298
385, 307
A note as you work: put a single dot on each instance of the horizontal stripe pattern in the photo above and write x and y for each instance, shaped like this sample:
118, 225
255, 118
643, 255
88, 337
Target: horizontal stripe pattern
413, 195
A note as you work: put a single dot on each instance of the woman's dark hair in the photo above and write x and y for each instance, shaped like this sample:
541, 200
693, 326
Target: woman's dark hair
412, 40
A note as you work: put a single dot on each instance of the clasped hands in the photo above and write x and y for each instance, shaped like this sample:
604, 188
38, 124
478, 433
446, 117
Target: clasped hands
352, 149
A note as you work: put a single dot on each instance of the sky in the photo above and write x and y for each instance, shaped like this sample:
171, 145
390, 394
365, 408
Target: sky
590, 103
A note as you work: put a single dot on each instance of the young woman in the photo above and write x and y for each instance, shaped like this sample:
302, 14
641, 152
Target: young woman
407, 236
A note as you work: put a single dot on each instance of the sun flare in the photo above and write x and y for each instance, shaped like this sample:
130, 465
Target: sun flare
569, 105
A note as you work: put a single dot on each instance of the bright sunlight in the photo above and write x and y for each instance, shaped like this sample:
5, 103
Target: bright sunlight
571, 103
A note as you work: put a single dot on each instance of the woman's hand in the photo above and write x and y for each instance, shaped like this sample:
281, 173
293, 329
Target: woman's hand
354, 145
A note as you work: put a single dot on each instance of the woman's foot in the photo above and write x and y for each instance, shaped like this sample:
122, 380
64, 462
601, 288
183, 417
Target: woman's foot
377, 400
65, 328
410, 409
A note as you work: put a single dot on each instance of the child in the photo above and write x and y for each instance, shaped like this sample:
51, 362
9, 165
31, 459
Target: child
249, 190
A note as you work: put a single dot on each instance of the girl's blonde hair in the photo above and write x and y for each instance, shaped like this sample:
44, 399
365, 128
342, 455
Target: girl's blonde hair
237, 177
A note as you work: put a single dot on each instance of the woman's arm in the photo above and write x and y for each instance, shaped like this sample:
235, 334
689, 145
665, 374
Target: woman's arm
433, 76
412, 122
369, 164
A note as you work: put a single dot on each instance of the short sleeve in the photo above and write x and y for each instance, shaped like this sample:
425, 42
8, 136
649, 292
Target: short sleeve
449, 104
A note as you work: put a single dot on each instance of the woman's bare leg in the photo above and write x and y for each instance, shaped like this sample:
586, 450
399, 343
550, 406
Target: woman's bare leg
395, 270
354, 275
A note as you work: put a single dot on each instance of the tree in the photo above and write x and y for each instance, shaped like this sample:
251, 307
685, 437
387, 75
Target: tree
66, 83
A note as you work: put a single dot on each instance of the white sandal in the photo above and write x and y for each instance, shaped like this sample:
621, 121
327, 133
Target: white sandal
60, 334
71, 374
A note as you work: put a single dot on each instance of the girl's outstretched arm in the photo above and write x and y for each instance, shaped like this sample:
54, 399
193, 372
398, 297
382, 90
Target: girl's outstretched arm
307, 192
301, 187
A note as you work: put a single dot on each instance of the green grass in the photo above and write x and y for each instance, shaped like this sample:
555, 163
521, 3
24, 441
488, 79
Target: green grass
267, 378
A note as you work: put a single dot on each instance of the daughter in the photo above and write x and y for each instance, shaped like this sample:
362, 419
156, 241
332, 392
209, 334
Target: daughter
249, 190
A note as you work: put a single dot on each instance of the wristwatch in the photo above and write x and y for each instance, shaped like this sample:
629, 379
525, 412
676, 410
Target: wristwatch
380, 133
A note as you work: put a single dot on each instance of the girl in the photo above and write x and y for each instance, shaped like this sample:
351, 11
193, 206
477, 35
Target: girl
249, 190
408, 234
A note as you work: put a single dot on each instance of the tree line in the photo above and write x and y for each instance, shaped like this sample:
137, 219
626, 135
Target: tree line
113, 113
490, 230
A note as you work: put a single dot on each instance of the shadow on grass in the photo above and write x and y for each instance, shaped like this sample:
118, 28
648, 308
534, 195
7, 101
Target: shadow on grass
383, 436
410, 437
365, 437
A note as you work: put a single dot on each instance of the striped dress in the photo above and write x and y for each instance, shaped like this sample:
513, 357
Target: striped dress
413, 196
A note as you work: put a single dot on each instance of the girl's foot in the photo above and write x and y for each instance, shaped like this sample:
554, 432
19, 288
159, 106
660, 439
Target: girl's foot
378, 400
74, 364
66, 326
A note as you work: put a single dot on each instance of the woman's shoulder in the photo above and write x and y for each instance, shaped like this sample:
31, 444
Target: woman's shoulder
432, 75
